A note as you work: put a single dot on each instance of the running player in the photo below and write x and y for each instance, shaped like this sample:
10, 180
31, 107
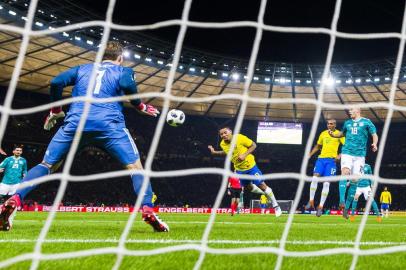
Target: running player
104, 127
355, 131
244, 164
325, 164
14, 168
363, 187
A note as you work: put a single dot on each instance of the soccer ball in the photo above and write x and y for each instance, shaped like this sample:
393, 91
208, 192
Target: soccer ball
175, 117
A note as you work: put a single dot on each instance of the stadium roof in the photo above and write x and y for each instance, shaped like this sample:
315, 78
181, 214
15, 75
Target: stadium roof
202, 75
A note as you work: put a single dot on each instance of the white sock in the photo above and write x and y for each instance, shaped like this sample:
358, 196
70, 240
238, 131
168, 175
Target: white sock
324, 193
269, 194
313, 188
256, 190
387, 212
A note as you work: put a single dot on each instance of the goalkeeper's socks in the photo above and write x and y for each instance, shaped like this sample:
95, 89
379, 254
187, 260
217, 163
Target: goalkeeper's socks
354, 206
375, 208
34, 173
342, 186
137, 180
269, 194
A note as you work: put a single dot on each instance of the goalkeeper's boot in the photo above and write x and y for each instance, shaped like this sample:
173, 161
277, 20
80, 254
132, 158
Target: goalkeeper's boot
309, 205
152, 219
319, 211
278, 211
8, 211
345, 214
352, 218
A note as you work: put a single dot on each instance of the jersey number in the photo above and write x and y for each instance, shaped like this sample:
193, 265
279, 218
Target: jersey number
99, 77
354, 130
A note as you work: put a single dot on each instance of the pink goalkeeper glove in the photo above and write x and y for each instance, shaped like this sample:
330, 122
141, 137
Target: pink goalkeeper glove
148, 110
54, 115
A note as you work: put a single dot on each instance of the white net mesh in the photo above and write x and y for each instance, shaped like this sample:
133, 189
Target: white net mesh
202, 246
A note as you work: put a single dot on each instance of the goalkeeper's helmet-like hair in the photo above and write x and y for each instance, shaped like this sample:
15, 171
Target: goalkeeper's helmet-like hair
113, 50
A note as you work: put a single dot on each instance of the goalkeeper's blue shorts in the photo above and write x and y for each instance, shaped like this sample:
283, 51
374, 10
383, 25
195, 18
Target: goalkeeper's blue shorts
117, 142
253, 171
325, 167
384, 206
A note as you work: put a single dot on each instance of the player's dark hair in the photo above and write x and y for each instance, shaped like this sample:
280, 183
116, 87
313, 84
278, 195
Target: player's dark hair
113, 50
18, 146
227, 127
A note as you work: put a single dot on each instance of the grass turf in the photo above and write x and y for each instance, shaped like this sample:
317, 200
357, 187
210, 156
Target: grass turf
72, 232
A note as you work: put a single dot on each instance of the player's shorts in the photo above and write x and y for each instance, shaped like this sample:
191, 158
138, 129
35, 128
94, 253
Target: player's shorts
253, 171
6, 189
325, 167
117, 142
385, 206
235, 192
366, 191
355, 164
263, 205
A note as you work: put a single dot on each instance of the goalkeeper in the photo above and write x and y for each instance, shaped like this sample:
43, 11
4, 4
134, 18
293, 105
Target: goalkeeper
244, 164
104, 127
363, 186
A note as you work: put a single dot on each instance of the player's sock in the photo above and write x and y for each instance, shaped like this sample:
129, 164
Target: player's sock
342, 186
256, 190
375, 208
138, 179
354, 206
386, 213
350, 196
34, 173
313, 188
324, 193
269, 194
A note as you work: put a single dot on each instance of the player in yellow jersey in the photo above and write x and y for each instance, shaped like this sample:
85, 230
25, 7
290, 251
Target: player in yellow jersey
385, 200
263, 201
325, 164
244, 164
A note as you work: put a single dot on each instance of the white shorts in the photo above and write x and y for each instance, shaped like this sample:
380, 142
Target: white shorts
355, 164
8, 189
367, 191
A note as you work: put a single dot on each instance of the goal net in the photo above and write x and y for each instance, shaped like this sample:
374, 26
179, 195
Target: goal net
202, 246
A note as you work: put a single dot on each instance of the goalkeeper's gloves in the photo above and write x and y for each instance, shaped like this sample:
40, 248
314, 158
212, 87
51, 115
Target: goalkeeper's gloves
147, 110
54, 114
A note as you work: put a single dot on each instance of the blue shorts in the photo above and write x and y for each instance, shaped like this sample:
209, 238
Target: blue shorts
325, 167
263, 205
253, 171
117, 142
384, 206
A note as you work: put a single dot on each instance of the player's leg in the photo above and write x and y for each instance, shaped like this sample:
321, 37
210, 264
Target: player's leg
350, 197
354, 203
3, 192
57, 149
346, 169
121, 145
236, 204
232, 206
317, 171
329, 170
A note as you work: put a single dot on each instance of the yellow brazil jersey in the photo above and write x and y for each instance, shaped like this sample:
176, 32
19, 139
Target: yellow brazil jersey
386, 197
241, 146
329, 144
154, 197
263, 199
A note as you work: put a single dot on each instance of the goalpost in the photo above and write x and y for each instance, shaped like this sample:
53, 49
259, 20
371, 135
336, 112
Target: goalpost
202, 247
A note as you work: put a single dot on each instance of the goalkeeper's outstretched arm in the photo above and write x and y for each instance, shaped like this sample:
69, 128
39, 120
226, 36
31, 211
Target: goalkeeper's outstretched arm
216, 153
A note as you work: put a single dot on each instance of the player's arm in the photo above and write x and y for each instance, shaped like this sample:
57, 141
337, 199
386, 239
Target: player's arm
315, 149
374, 144
58, 83
128, 85
250, 149
3, 165
25, 168
381, 197
3, 152
340, 134
390, 197
215, 152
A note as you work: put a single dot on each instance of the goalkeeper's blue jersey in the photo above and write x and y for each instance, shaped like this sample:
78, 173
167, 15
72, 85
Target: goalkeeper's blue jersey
14, 169
111, 81
365, 182
356, 136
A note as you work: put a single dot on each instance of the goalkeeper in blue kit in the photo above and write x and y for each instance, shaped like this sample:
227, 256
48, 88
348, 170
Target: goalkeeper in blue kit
362, 186
104, 127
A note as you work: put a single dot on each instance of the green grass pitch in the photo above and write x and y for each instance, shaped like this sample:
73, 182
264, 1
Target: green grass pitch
83, 231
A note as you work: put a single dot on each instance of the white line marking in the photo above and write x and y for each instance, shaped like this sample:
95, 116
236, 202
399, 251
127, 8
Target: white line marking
189, 241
